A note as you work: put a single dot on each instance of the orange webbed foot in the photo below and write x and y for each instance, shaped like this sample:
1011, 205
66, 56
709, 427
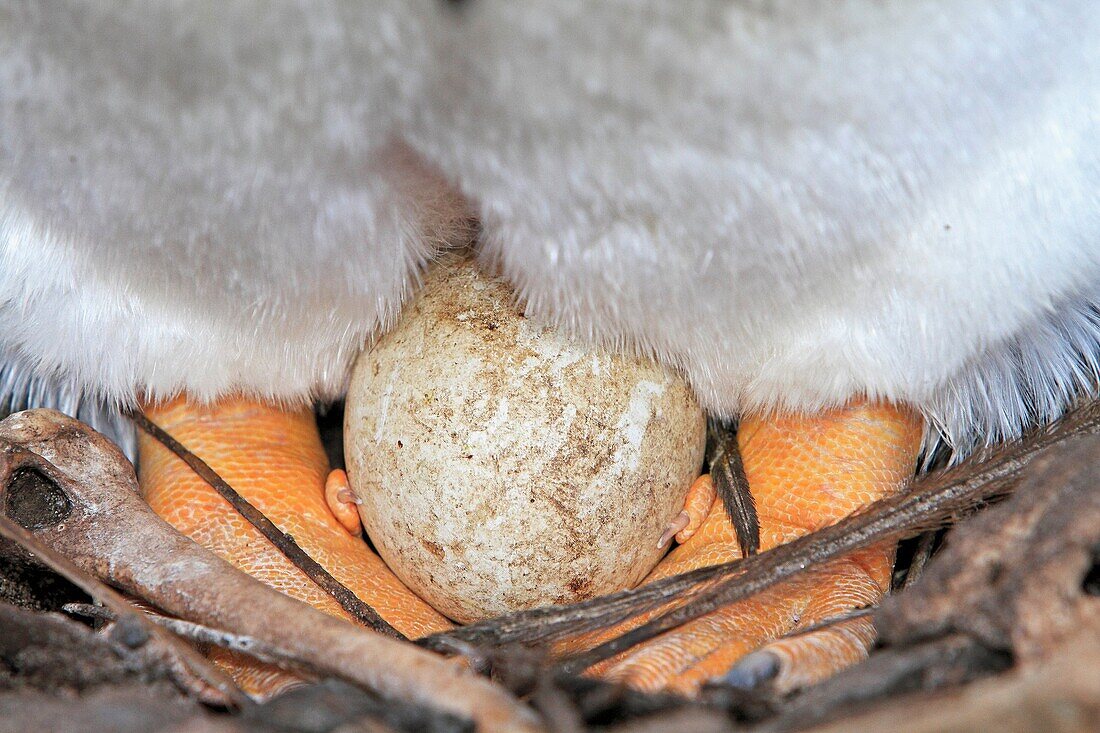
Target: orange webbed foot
804, 473
274, 458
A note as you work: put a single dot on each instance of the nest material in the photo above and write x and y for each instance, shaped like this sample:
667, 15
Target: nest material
1002, 629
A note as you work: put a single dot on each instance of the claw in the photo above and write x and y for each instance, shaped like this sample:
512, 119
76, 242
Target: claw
752, 671
345, 496
674, 527
343, 502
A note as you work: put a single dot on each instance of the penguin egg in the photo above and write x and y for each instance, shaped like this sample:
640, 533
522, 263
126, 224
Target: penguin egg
503, 465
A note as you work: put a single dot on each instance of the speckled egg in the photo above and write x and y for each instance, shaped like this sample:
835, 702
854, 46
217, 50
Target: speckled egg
503, 465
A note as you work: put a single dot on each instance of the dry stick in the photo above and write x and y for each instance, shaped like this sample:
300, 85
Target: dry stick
243, 644
825, 623
553, 623
350, 602
186, 660
200, 633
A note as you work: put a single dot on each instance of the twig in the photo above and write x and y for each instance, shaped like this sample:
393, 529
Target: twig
1057, 696
831, 621
343, 595
187, 661
196, 632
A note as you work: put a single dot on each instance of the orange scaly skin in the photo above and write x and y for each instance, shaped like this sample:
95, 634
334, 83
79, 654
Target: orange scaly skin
274, 458
804, 473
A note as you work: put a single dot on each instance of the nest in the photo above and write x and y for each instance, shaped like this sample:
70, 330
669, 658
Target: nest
994, 622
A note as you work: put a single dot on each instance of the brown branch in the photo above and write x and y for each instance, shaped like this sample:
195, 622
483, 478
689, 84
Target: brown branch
359, 610
1061, 695
201, 634
831, 621
188, 666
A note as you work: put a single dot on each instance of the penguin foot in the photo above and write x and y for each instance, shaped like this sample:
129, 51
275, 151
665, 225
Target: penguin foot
274, 458
804, 472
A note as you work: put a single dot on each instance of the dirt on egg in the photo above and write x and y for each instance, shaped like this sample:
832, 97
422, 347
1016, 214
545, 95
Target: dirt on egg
503, 465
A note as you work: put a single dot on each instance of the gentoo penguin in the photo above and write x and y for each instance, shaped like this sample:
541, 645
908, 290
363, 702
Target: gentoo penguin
857, 227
